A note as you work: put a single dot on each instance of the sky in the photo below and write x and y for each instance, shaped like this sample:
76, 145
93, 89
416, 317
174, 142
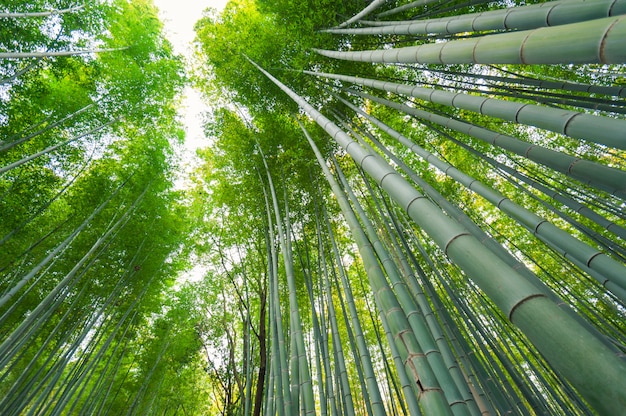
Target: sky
179, 17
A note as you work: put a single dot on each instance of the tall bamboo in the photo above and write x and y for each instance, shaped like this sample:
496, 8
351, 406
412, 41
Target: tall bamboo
298, 349
593, 41
434, 362
521, 79
612, 274
279, 366
426, 389
363, 350
591, 367
456, 213
515, 18
604, 130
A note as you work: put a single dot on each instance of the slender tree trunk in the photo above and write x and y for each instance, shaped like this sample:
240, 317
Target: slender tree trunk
260, 391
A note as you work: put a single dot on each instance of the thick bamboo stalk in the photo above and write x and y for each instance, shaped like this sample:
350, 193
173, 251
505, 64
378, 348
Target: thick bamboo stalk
433, 339
515, 18
571, 203
591, 173
593, 369
363, 351
521, 79
453, 211
604, 130
550, 98
439, 320
428, 391
500, 372
434, 362
594, 41
612, 274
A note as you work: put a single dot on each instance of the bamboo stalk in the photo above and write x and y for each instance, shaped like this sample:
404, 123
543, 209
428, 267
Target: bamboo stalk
594, 41
595, 370
515, 18
604, 130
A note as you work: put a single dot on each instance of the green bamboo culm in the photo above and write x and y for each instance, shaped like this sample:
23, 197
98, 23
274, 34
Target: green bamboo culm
592, 368
611, 274
593, 41
465, 221
533, 16
424, 386
370, 8
373, 394
603, 130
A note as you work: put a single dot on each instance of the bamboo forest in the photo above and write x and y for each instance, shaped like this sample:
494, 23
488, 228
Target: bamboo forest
397, 208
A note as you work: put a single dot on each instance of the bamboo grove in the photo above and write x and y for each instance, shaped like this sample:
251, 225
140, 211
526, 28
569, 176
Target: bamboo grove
402, 208
91, 227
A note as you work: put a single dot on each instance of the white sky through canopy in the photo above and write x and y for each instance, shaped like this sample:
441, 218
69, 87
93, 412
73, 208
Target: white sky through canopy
179, 18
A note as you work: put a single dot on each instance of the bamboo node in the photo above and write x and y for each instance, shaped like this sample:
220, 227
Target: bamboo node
567, 123
521, 301
592, 258
445, 250
539, 225
601, 58
571, 165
